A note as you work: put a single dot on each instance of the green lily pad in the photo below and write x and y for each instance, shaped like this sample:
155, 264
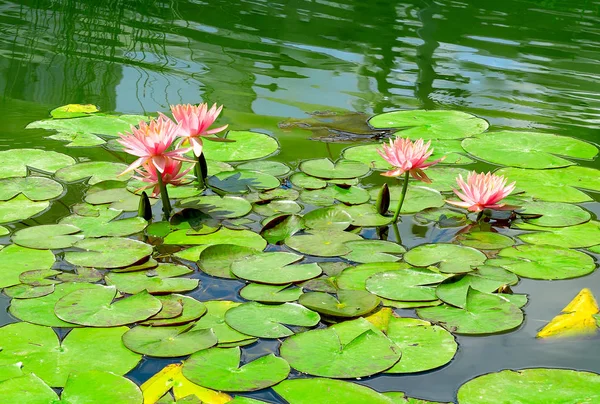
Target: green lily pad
243, 238
274, 194
278, 229
485, 240
436, 124
163, 279
10, 371
327, 196
214, 320
274, 268
485, 279
216, 260
442, 217
327, 169
81, 274
115, 196
484, 314
451, 258
544, 262
97, 307
226, 207
322, 243
29, 385
365, 215
172, 306
349, 349
151, 263
349, 303
424, 346
47, 237
105, 224
166, 342
443, 179
100, 386
558, 185
108, 252
192, 310
417, 198
537, 385
270, 293
277, 207
528, 149
39, 277
305, 181
267, 321
219, 369
411, 285
14, 260
310, 391
41, 352
579, 236
247, 146
274, 168
328, 218
78, 139
365, 251
22, 291
355, 278
34, 188
99, 124
20, 208
94, 172
40, 310
554, 214
16, 162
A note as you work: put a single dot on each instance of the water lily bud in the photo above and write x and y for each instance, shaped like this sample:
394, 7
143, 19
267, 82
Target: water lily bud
383, 200
203, 166
144, 208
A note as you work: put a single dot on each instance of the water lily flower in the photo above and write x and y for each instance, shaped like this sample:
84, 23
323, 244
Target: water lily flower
171, 174
195, 121
482, 191
150, 142
408, 157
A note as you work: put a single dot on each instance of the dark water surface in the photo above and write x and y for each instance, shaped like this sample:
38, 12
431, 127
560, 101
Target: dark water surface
531, 65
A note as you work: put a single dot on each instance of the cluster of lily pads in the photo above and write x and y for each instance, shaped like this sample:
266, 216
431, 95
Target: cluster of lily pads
301, 241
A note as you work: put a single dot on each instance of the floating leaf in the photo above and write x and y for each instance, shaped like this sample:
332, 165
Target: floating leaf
192, 310
97, 308
30, 386
267, 321
115, 196
365, 215
553, 214
327, 196
311, 391
172, 306
276, 230
274, 268
270, 293
322, 243
39, 277
214, 320
274, 168
243, 238
544, 262
105, 224
34, 188
166, 342
247, 146
99, 124
577, 318
219, 207
48, 237
327, 169
20, 208
94, 172
365, 251
451, 258
417, 198
442, 217
14, 260
219, 369
78, 139
528, 149
216, 259
328, 218
411, 285
40, 351
277, 207
484, 314
579, 236
73, 111
424, 346
431, 124
163, 279
108, 252
345, 350
355, 278
27, 291
349, 303
305, 181
485, 240
15, 162
82, 274
537, 385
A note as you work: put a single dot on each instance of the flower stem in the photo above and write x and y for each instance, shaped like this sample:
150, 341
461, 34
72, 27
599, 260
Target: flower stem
164, 196
397, 233
401, 200
479, 216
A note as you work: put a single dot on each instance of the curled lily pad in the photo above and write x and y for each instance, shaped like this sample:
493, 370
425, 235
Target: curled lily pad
424, 346
267, 321
214, 320
538, 385
163, 279
97, 307
192, 310
417, 198
411, 285
365, 215
16, 162
219, 207
365, 251
484, 313
544, 262
34, 188
276, 230
450, 258
20, 208
327, 196
328, 218
349, 349
216, 260
579, 236
322, 243
270, 293
108, 252
310, 391
14, 260
327, 169
274, 268
274, 168
553, 214
247, 146
528, 149
219, 369
166, 342
348, 303
106, 224
485, 240
48, 237
435, 124
41, 352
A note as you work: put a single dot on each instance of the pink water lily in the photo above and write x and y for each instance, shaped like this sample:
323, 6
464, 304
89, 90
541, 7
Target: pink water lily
482, 191
171, 174
150, 142
407, 156
195, 121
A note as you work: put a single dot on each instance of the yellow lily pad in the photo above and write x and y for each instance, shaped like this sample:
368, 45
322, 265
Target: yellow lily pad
576, 319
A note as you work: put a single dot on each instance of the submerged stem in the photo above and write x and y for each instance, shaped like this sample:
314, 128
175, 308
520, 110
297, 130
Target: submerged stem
397, 233
401, 200
164, 196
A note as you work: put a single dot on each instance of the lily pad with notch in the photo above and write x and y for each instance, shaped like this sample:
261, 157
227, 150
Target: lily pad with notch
322, 243
418, 198
270, 293
20, 208
166, 278
246, 146
411, 284
485, 240
214, 320
328, 218
216, 260
578, 236
553, 214
310, 391
168, 342
192, 310
450, 258
14, 260
276, 207
365, 215
347, 303
351, 195
18, 162
327, 169
33, 188
219, 207
105, 224
365, 251
274, 268
48, 237
94, 172
274, 168
108, 252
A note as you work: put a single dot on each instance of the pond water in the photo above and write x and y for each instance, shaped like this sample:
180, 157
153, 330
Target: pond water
531, 65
